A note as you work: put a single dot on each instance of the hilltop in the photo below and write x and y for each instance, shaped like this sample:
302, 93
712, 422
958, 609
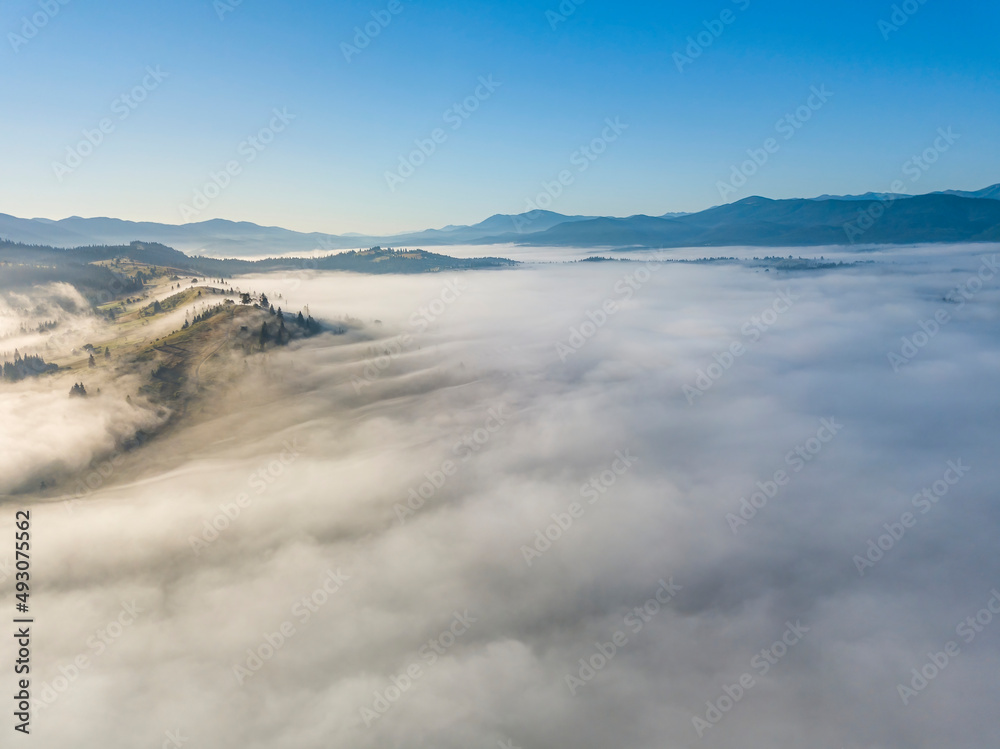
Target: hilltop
166, 345
54, 263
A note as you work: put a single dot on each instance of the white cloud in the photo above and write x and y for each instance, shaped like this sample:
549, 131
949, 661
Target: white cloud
332, 508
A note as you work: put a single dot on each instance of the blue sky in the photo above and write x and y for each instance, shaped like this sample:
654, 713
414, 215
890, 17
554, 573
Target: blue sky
559, 82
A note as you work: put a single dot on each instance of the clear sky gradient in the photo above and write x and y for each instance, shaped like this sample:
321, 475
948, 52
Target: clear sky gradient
230, 66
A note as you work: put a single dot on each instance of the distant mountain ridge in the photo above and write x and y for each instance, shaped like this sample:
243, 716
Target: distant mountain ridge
222, 238
947, 216
988, 193
763, 222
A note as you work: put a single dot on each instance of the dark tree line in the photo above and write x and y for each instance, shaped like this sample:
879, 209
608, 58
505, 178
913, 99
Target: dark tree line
26, 366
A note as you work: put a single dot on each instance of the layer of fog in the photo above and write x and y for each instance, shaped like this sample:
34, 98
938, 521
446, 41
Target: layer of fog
323, 442
59, 305
46, 434
544, 254
844, 253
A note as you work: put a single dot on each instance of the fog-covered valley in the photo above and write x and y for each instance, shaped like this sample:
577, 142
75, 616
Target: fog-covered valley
639, 504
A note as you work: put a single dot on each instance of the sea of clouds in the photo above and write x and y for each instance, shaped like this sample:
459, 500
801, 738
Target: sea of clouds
543, 507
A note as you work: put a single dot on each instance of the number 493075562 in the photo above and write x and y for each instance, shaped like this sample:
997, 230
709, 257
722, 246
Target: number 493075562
23, 559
